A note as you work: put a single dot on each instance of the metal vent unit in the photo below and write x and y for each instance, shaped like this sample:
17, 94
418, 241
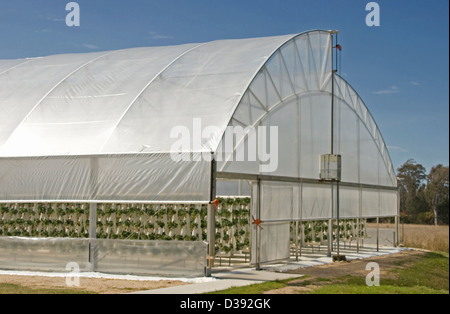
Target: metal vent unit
330, 167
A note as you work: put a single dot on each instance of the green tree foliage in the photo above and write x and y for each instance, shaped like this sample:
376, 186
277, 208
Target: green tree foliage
413, 202
424, 199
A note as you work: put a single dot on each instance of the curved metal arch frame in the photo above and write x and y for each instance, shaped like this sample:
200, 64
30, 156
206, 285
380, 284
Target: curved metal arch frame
262, 67
283, 101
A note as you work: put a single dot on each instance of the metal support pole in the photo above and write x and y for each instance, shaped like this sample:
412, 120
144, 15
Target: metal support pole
337, 217
397, 218
258, 230
393, 240
330, 236
296, 241
211, 218
378, 234
330, 224
93, 255
358, 233
211, 234
302, 237
396, 243
93, 252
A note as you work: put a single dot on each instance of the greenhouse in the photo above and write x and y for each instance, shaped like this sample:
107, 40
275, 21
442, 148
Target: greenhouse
151, 137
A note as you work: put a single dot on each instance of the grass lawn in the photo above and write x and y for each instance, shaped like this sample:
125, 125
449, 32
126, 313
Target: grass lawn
428, 274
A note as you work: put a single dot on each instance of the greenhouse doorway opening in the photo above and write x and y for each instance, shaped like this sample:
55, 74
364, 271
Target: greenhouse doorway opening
262, 221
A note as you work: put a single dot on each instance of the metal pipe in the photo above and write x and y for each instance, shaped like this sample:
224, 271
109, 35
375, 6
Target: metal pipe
258, 229
93, 258
211, 217
337, 217
296, 241
378, 233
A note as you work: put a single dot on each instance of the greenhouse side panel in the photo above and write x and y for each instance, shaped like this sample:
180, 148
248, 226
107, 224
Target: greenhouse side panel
118, 178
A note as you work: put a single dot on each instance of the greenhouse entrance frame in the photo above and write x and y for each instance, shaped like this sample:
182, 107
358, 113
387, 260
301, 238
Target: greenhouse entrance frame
258, 256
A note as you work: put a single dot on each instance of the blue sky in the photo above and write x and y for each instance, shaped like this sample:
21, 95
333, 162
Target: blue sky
400, 69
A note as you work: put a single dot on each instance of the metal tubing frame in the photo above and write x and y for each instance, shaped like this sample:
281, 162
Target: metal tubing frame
255, 178
211, 218
258, 229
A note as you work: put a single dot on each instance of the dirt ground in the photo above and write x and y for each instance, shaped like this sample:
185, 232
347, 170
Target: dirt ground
315, 276
93, 285
321, 275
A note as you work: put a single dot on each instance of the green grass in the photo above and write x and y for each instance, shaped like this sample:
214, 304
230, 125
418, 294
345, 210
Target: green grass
432, 271
428, 275
255, 288
383, 289
7, 288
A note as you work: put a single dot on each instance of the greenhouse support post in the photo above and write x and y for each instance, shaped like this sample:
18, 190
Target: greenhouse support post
296, 241
378, 234
258, 230
330, 235
397, 218
92, 235
211, 218
93, 213
358, 232
337, 217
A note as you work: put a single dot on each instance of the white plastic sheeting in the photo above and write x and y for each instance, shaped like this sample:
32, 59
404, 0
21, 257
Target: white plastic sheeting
293, 92
99, 126
125, 103
297, 93
50, 254
276, 204
287, 201
102, 178
132, 257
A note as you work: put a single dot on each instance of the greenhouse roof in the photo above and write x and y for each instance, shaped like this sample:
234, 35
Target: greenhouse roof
124, 101
104, 126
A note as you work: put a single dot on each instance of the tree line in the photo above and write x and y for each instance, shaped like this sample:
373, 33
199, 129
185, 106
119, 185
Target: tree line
424, 198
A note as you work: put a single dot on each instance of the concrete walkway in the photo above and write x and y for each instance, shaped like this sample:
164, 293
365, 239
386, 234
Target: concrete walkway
224, 280
228, 277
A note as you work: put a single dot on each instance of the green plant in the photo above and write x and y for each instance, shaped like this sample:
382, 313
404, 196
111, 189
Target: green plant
181, 213
172, 225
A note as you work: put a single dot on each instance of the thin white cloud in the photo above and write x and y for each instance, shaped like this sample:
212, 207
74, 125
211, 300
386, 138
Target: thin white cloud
84, 45
392, 90
156, 36
398, 148
415, 83
52, 18
90, 46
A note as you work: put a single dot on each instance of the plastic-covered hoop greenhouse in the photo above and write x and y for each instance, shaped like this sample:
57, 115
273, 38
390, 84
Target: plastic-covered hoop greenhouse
104, 127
